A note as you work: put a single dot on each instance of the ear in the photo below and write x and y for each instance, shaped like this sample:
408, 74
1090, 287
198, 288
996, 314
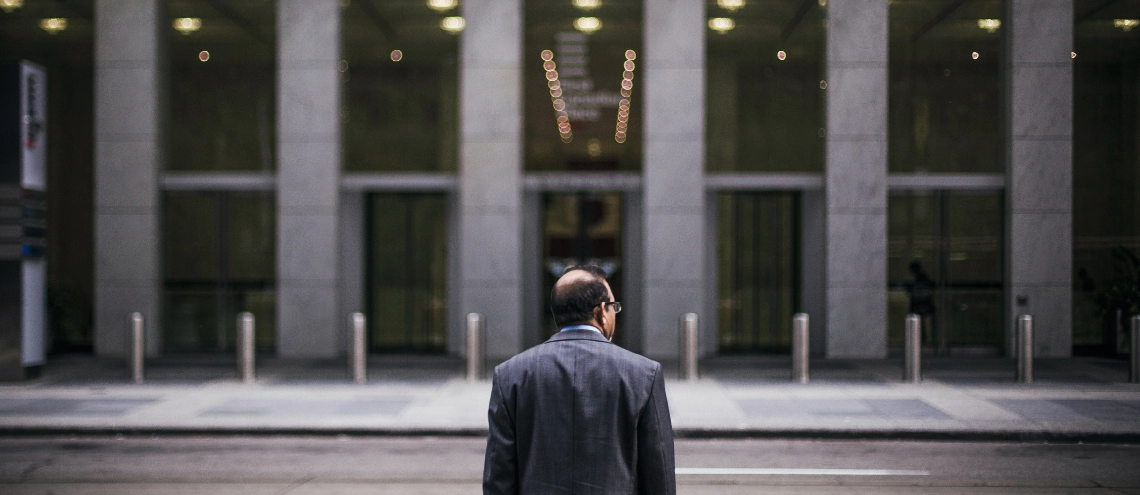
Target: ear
600, 313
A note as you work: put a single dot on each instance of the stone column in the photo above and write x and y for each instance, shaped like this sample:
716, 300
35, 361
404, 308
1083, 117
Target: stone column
129, 101
308, 176
1039, 195
855, 179
672, 75
490, 159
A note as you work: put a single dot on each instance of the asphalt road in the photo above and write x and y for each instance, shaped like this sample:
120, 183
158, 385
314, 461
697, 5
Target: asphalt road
431, 466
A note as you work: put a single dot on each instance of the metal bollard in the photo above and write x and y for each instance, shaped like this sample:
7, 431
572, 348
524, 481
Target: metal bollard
245, 346
913, 350
1025, 349
689, 346
138, 346
359, 353
476, 330
800, 325
1134, 376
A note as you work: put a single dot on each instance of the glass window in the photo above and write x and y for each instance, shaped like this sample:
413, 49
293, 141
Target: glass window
581, 228
219, 260
945, 87
758, 281
945, 263
223, 85
1106, 174
407, 271
399, 86
582, 94
765, 86
67, 55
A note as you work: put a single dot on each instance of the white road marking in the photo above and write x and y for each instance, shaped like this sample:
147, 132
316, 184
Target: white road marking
800, 472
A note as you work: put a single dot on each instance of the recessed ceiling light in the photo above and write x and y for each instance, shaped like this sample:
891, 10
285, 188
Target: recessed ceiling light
187, 25
53, 25
721, 24
587, 4
442, 5
453, 25
989, 25
730, 5
10, 5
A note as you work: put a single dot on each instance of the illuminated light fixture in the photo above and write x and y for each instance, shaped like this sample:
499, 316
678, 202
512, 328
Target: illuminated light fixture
721, 24
730, 5
587, 4
823, 3
396, 55
203, 55
1126, 24
974, 55
1074, 54
989, 25
781, 55
10, 5
453, 25
53, 25
560, 115
587, 24
187, 25
626, 92
442, 5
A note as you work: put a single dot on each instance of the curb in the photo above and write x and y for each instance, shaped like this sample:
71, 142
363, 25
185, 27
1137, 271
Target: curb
680, 433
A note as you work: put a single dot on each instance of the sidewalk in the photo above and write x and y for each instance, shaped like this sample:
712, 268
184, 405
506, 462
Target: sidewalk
1079, 399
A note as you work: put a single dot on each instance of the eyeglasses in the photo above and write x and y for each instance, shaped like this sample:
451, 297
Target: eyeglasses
615, 304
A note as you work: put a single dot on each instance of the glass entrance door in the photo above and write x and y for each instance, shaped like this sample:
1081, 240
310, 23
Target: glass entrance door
581, 228
757, 270
945, 252
407, 272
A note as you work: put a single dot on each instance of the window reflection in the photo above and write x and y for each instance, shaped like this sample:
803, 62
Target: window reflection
582, 99
945, 86
223, 85
399, 88
764, 96
757, 270
219, 260
1106, 176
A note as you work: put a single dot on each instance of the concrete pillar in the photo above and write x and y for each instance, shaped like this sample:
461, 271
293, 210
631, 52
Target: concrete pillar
354, 244
490, 159
673, 89
308, 178
855, 182
129, 114
811, 268
1039, 225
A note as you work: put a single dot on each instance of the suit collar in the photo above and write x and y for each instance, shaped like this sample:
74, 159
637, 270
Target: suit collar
578, 335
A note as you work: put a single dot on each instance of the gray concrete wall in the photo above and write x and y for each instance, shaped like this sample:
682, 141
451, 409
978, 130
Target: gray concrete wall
354, 244
490, 159
308, 178
812, 268
855, 181
129, 115
1039, 178
673, 89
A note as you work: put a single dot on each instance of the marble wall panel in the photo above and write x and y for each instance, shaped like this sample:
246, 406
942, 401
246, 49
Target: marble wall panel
128, 158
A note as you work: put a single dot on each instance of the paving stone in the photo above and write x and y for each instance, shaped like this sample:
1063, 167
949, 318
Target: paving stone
293, 407
69, 407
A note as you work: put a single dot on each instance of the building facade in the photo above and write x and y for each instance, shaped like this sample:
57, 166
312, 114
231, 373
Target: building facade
419, 160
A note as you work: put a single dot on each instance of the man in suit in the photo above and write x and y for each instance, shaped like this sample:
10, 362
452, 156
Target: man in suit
577, 414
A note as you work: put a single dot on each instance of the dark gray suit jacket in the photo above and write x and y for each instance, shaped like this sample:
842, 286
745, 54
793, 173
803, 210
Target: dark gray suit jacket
577, 414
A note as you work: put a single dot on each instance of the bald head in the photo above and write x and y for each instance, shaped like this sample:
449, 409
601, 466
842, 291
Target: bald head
577, 293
